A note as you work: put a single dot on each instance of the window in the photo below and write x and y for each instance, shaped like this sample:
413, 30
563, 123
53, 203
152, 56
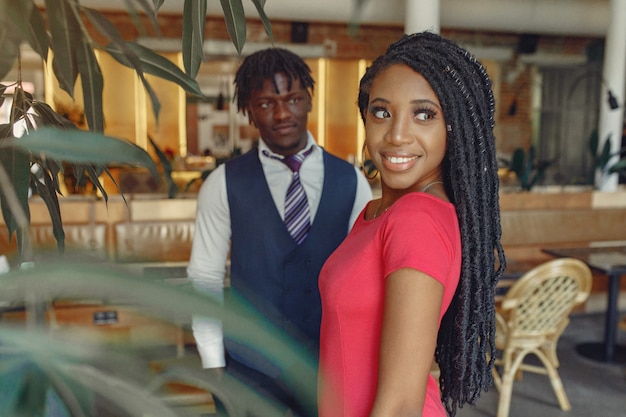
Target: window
567, 114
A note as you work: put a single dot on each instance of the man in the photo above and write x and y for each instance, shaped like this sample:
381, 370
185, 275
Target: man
279, 222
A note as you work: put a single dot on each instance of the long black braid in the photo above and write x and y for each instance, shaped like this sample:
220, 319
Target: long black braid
466, 342
263, 65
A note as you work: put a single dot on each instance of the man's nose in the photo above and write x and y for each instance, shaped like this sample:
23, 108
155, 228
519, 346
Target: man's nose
281, 111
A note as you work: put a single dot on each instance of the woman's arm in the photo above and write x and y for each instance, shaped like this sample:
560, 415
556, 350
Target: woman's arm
408, 340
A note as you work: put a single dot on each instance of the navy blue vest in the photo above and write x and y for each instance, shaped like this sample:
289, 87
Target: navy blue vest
277, 277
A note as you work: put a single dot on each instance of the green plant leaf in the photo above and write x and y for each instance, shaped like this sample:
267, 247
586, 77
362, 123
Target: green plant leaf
157, 65
10, 47
605, 156
54, 168
150, 11
355, 18
260, 8
37, 36
94, 177
31, 399
23, 21
517, 162
172, 188
82, 147
16, 165
20, 20
66, 35
136, 18
106, 28
118, 43
235, 19
618, 168
46, 192
93, 84
158, 4
49, 117
593, 144
194, 22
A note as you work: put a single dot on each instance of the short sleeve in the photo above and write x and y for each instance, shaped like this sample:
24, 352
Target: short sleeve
421, 232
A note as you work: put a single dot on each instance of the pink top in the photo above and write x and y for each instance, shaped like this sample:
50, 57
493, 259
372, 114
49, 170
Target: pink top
418, 231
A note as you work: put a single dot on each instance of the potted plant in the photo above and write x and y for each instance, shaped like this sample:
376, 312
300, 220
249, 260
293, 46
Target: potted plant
528, 171
602, 162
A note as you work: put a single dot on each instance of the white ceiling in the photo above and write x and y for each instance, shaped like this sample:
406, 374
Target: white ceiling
569, 17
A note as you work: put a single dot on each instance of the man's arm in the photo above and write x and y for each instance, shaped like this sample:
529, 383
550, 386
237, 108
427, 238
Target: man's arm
207, 264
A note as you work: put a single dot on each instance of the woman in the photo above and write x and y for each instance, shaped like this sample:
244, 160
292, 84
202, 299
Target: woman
415, 278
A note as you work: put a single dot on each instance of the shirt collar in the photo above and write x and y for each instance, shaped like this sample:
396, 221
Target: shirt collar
263, 148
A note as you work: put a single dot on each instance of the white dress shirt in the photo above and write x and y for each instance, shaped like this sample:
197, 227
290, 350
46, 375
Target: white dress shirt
211, 242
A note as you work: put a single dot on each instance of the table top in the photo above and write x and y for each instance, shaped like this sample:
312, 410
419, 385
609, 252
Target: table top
608, 259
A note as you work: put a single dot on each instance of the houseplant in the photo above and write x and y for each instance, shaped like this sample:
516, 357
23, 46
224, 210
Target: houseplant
603, 164
61, 29
30, 375
527, 169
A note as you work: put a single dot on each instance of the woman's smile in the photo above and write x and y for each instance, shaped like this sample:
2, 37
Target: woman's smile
399, 162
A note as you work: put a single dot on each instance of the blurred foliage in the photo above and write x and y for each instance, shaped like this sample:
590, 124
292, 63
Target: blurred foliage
41, 362
166, 166
602, 159
527, 169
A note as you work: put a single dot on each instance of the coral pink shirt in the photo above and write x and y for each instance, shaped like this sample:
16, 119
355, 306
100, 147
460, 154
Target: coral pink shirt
418, 231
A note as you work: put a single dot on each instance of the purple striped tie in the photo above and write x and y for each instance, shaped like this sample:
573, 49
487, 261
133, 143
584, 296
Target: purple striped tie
297, 215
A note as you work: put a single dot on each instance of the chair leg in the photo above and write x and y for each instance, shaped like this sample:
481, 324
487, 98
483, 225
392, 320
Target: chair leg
506, 390
511, 364
555, 381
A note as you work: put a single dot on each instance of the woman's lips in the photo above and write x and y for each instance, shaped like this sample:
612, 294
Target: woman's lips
399, 162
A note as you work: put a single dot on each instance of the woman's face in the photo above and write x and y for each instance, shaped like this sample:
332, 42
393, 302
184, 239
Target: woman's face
405, 132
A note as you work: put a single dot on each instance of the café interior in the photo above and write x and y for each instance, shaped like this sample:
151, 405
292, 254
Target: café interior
558, 70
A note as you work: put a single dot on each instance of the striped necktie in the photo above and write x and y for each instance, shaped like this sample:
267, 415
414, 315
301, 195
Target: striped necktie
297, 214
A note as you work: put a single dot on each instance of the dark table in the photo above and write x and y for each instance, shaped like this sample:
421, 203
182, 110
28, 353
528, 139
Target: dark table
610, 260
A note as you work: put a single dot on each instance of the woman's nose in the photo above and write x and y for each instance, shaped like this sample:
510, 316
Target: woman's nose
399, 131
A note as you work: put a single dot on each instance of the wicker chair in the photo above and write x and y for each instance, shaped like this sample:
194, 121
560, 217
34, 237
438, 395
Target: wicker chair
531, 318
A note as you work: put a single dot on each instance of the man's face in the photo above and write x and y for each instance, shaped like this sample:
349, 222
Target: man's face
281, 117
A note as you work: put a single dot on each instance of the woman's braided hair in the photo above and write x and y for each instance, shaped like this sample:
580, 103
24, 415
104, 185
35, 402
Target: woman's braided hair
263, 65
466, 342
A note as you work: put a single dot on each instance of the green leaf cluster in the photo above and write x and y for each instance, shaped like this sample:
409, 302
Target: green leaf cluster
528, 170
38, 363
59, 33
601, 160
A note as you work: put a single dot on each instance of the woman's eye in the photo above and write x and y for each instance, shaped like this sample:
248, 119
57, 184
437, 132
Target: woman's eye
424, 115
380, 113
